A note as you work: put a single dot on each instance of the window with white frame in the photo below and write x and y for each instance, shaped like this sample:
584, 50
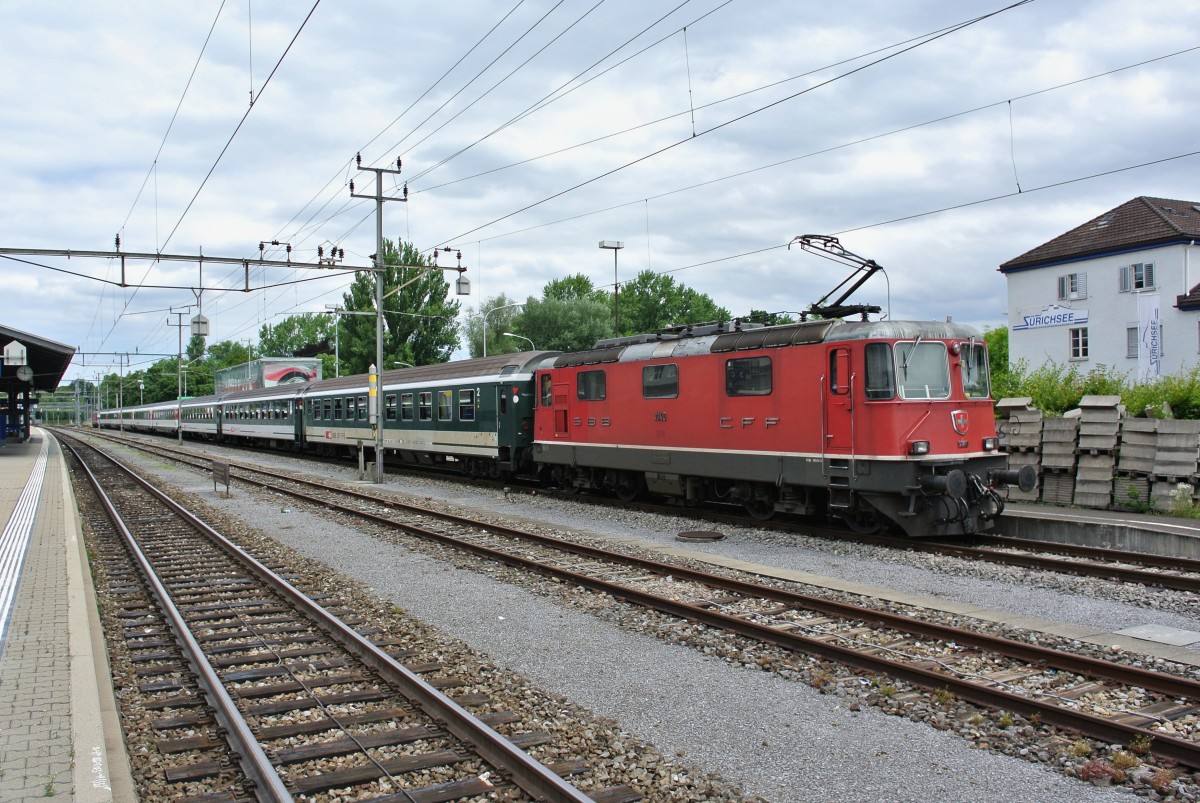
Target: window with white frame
1131, 341
1072, 286
1079, 343
1139, 276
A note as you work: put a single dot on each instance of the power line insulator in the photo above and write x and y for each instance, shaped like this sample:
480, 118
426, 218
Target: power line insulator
398, 162
358, 160
351, 186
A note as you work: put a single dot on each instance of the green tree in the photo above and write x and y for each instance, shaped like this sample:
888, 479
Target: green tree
769, 318
564, 325
498, 322
652, 301
296, 332
420, 324
575, 288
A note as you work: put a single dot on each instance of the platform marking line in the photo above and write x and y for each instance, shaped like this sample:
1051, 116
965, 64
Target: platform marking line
14, 541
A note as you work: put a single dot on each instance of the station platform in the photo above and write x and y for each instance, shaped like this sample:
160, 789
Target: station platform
1148, 533
59, 732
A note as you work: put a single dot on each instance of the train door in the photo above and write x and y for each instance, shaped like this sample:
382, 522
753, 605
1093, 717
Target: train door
839, 402
562, 411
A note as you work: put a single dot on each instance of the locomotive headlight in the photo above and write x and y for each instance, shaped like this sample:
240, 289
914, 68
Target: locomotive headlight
989, 444
918, 447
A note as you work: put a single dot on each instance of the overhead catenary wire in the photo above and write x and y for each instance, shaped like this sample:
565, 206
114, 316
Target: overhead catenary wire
737, 119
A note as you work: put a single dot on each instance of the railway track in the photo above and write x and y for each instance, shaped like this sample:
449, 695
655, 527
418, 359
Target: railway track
256, 691
1111, 702
1154, 571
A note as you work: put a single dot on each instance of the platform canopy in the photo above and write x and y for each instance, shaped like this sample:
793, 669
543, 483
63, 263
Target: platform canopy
46, 359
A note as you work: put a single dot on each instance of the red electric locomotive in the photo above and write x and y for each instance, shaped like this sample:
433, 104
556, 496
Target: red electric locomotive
867, 421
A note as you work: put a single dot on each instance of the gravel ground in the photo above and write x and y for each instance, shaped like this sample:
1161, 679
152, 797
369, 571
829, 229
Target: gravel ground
779, 739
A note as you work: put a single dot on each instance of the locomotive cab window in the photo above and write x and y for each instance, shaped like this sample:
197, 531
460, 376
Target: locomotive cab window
881, 382
660, 381
590, 385
547, 390
974, 367
923, 370
749, 376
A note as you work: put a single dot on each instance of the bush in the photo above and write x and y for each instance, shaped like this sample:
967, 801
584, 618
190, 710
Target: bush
1056, 388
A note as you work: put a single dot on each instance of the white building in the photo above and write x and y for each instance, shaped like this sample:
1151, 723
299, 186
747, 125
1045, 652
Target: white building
1122, 291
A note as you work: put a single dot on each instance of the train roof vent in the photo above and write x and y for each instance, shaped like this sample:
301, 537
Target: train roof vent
751, 340
628, 340
612, 354
812, 332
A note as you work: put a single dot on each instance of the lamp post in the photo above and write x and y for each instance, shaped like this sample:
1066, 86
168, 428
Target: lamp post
614, 246
337, 359
489, 312
522, 337
141, 392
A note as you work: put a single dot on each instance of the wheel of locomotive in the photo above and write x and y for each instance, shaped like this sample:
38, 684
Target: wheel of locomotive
628, 486
863, 521
761, 503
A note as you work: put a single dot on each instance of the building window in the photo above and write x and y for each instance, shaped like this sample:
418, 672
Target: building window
1131, 341
1072, 286
1079, 343
1139, 276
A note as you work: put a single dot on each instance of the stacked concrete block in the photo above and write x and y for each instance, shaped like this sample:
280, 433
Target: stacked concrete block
1058, 443
1138, 446
1099, 423
1058, 460
1020, 431
1177, 450
1099, 428
1135, 463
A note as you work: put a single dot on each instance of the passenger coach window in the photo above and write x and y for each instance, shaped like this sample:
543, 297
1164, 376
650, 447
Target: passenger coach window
389, 407
974, 370
748, 377
881, 383
445, 405
590, 385
923, 370
466, 405
426, 411
337, 409
362, 408
660, 381
406, 407
328, 404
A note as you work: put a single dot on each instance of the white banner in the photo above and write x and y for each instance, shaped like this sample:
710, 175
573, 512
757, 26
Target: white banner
1149, 337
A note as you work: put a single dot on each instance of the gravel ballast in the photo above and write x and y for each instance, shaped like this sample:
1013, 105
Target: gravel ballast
777, 738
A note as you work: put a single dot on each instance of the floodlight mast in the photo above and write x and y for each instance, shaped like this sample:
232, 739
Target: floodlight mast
826, 246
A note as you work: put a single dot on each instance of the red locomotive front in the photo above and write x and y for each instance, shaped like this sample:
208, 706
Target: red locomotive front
869, 421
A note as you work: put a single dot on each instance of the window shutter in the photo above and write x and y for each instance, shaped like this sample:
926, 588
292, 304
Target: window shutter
1149, 275
1081, 284
1124, 279
1062, 287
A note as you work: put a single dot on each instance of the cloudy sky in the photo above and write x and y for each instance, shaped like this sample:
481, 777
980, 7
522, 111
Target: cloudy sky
704, 134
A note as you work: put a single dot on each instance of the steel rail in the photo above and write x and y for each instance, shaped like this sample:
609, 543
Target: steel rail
268, 786
526, 772
1181, 750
